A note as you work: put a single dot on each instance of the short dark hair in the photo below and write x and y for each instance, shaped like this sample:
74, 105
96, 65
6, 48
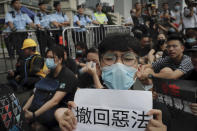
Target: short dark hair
13, 1
119, 42
80, 6
177, 3
136, 3
49, 49
41, 3
92, 50
58, 51
164, 3
191, 33
82, 45
175, 36
56, 3
98, 4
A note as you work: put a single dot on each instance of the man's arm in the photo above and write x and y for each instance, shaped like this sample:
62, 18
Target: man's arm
66, 21
9, 20
167, 73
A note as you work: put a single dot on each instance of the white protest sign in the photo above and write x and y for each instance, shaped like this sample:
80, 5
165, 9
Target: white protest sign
112, 110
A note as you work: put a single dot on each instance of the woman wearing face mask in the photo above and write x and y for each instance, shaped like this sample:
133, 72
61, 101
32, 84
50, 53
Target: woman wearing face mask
190, 39
159, 49
189, 18
52, 92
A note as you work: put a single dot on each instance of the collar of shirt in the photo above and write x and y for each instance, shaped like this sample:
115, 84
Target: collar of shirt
58, 13
18, 13
99, 12
43, 13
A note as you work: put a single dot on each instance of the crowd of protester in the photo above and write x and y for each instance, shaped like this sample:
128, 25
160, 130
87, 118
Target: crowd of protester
163, 45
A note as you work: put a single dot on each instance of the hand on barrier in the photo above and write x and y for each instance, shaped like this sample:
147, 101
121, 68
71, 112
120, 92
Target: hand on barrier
101, 25
82, 26
14, 29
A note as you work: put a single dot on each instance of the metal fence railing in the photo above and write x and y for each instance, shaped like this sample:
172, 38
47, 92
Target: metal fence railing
68, 37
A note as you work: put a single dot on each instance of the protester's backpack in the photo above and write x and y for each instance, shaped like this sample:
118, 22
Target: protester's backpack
45, 90
10, 110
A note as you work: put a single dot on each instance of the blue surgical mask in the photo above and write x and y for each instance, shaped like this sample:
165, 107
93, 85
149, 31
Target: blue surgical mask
50, 63
79, 51
190, 40
177, 8
118, 76
172, 30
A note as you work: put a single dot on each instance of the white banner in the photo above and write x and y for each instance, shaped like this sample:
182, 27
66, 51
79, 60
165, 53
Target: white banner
112, 110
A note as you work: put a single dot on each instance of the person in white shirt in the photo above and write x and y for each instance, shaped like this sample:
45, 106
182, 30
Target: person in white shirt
129, 20
189, 18
176, 14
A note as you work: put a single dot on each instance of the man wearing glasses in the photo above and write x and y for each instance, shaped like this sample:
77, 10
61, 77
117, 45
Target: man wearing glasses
173, 66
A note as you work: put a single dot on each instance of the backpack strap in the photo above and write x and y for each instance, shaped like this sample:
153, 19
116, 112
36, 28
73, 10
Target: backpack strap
39, 15
13, 14
32, 61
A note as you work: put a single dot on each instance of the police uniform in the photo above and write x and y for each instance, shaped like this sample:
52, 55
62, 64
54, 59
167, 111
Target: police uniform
19, 20
99, 17
42, 19
80, 34
44, 39
58, 17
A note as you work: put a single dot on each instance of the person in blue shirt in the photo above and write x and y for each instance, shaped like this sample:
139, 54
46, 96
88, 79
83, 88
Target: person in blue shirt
17, 21
59, 19
42, 21
80, 20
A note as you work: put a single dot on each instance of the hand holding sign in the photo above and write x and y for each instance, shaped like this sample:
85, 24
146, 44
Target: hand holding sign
112, 110
193, 107
156, 124
66, 119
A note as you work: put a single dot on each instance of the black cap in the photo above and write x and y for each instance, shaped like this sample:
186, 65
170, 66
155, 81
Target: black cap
80, 6
193, 49
99, 4
56, 3
13, 1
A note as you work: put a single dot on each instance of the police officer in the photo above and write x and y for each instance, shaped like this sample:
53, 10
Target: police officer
99, 17
80, 20
17, 21
42, 21
59, 19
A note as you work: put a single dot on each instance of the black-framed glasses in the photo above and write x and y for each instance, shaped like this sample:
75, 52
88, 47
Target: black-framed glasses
128, 58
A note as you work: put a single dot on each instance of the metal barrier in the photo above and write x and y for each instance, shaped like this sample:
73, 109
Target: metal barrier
91, 35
